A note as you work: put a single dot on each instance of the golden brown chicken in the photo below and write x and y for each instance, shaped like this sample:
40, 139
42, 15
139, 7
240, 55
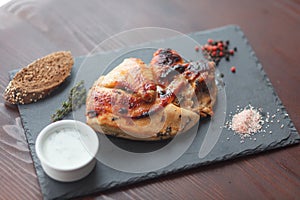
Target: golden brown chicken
141, 102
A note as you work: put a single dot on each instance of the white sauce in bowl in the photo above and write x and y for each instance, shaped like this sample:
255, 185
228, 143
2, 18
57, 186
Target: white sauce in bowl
65, 148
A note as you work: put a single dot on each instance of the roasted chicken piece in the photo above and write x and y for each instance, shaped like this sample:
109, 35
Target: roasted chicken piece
167, 66
154, 102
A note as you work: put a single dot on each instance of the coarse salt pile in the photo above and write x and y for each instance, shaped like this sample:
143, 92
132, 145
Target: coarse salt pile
248, 121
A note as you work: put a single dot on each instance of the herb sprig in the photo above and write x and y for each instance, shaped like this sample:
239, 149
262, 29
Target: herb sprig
77, 97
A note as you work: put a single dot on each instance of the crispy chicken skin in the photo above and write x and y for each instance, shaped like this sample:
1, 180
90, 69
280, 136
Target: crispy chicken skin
200, 75
154, 102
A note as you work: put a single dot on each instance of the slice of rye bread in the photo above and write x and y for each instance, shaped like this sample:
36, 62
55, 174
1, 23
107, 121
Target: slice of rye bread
39, 78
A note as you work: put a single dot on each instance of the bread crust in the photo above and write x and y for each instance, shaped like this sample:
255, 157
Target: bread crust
39, 79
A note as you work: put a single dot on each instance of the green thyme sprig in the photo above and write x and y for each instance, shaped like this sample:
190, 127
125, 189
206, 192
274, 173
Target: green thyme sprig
77, 97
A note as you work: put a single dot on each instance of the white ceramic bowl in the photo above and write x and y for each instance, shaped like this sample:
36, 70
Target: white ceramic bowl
67, 150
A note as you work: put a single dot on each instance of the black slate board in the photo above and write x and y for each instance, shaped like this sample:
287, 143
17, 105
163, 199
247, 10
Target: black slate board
249, 85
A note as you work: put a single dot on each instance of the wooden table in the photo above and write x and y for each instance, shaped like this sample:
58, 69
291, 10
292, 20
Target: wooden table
31, 29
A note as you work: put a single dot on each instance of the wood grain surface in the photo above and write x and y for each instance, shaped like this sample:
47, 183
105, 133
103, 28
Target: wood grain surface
30, 29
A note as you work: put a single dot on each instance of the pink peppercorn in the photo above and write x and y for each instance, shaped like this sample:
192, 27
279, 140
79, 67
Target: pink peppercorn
217, 49
233, 69
209, 48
